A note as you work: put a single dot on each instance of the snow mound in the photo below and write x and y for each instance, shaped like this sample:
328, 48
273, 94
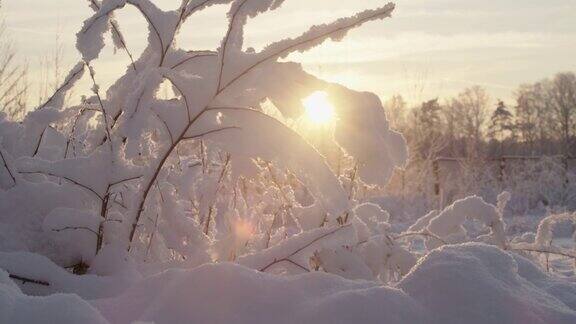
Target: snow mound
15, 307
38, 267
230, 293
477, 283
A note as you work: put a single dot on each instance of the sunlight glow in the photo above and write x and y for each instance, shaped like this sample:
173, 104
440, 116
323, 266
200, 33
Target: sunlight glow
319, 109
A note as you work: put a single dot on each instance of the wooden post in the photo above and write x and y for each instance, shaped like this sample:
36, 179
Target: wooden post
501, 169
436, 172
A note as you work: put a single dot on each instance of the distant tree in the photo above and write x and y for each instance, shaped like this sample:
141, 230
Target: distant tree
501, 125
13, 82
395, 109
425, 134
561, 95
527, 112
471, 109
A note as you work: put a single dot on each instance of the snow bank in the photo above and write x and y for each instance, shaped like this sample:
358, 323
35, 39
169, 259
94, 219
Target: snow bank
37, 267
15, 307
229, 293
477, 283
467, 283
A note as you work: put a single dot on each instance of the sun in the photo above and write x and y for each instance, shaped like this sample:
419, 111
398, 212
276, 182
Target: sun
319, 110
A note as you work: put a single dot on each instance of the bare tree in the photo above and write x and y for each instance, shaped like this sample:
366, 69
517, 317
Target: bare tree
471, 112
396, 110
13, 78
561, 93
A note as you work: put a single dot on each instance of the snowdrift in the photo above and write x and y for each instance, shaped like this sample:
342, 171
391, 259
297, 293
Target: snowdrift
467, 283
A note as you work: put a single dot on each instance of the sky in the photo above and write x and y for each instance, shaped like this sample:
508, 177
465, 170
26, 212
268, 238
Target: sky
428, 49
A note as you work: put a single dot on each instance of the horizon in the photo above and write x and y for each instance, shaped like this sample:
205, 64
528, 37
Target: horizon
410, 54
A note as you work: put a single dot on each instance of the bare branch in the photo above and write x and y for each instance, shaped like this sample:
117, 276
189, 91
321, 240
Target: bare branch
287, 258
104, 114
186, 60
116, 30
67, 83
186, 104
225, 42
282, 51
66, 178
209, 132
67, 228
165, 126
554, 252
6, 166
28, 280
124, 180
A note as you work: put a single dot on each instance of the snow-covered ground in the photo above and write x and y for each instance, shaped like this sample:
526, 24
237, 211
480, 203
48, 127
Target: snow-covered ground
218, 206
471, 283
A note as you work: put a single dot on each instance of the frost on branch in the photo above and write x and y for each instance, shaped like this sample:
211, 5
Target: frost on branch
207, 175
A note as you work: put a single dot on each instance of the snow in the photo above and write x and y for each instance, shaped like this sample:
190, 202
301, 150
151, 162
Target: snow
475, 283
16, 307
229, 293
472, 283
448, 224
215, 206
37, 267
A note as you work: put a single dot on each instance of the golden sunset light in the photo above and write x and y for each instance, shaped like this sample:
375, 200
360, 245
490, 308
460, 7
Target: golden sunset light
287, 161
319, 110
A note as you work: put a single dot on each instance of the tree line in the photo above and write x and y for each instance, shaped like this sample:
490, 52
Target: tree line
541, 121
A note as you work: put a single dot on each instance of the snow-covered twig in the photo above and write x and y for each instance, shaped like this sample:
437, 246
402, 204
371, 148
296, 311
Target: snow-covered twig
71, 79
119, 36
28, 280
298, 250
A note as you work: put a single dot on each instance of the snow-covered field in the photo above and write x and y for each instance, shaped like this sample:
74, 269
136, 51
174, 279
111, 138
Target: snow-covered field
241, 200
472, 283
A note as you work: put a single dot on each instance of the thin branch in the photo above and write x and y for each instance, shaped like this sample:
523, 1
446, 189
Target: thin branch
28, 280
165, 126
104, 114
137, 5
116, 30
75, 228
225, 42
186, 60
560, 253
6, 166
64, 85
296, 45
294, 263
66, 178
178, 23
286, 258
112, 184
186, 104
193, 9
39, 142
209, 132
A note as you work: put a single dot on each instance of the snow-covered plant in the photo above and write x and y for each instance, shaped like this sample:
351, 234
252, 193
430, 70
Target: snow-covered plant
447, 226
542, 242
208, 174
